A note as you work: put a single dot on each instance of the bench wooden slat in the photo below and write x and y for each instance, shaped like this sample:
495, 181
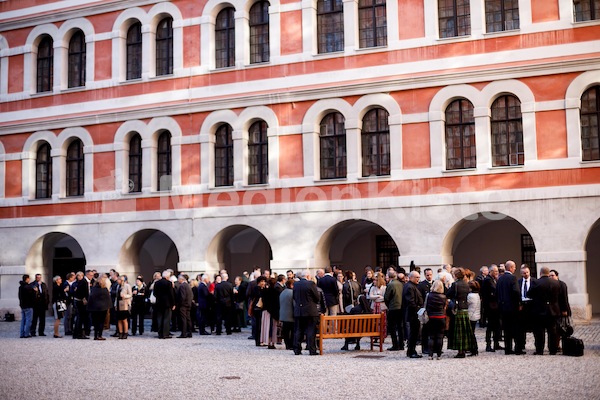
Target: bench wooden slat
352, 326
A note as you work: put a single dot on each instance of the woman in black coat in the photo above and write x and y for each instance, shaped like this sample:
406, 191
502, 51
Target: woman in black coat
463, 338
98, 304
363, 307
435, 304
59, 303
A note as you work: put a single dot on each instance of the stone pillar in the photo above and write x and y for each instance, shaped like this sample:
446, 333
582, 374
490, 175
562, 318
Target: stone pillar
433, 261
571, 269
10, 276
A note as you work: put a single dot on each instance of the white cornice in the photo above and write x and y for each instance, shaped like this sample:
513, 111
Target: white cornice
55, 12
348, 88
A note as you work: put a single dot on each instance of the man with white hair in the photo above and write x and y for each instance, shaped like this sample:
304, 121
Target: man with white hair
412, 301
509, 297
224, 303
306, 314
184, 305
165, 304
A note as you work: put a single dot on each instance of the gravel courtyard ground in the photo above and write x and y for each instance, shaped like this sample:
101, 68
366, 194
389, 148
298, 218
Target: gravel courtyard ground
231, 367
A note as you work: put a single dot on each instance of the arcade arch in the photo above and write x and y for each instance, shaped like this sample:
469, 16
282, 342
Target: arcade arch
489, 238
592, 248
238, 248
148, 251
355, 243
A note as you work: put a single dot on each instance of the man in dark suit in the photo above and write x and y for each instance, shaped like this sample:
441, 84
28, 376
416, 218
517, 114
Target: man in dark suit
329, 286
165, 304
563, 300
306, 314
412, 301
80, 297
425, 288
202, 306
546, 309
507, 290
42, 299
224, 304
526, 319
489, 300
184, 297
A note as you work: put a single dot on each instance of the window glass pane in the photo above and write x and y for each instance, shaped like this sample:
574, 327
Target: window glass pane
259, 32
45, 65
590, 129
164, 47
134, 51
225, 39
77, 54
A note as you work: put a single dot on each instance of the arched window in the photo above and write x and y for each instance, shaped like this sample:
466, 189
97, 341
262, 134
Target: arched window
224, 156
454, 18
134, 51
333, 146
163, 170
375, 143
45, 65
507, 132
43, 172
501, 15
135, 164
77, 60
460, 135
259, 32
590, 125
225, 38
164, 47
75, 169
372, 23
586, 10
258, 154
330, 26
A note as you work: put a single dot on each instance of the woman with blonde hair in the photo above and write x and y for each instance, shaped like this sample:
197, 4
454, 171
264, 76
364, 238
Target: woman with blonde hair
123, 306
435, 304
59, 303
98, 305
376, 293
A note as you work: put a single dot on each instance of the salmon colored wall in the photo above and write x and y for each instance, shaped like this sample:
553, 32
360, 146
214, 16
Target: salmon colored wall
13, 185
104, 133
415, 146
414, 25
190, 164
544, 10
415, 100
14, 143
551, 134
290, 156
15, 73
103, 62
555, 90
191, 48
291, 32
104, 172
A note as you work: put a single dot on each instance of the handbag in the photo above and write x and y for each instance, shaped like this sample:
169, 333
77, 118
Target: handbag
61, 306
152, 298
452, 307
422, 313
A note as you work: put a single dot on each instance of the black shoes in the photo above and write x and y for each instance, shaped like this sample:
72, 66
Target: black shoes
415, 355
489, 349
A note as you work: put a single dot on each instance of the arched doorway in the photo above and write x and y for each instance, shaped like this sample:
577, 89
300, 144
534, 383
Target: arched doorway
355, 243
238, 248
489, 238
55, 253
148, 251
592, 248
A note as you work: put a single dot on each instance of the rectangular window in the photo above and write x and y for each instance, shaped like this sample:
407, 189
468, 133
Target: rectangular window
528, 253
454, 18
330, 26
387, 251
586, 10
372, 23
501, 15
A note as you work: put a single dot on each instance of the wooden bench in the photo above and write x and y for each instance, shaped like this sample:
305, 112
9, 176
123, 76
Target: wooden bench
352, 326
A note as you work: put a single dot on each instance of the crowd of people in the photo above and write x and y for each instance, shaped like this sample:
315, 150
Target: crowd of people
285, 309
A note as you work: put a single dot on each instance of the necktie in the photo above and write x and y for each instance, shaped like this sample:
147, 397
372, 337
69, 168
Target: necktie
524, 288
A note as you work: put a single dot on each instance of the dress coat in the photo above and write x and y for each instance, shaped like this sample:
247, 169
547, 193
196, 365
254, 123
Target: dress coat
330, 289
545, 296
164, 293
508, 293
306, 298
125, 296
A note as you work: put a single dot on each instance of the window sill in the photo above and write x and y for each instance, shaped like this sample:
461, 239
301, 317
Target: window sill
455, 38
374, 177
501, 167
586, 23
459, 171
508, 32
590, 162
330, 180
